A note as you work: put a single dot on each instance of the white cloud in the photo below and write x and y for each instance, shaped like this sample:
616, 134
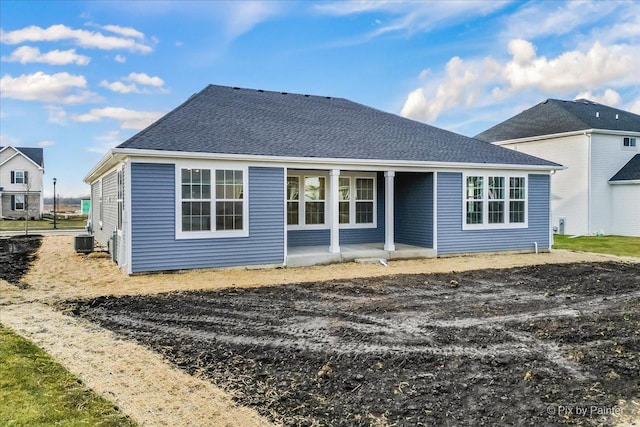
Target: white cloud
609, 97
485, 81
626, 25
121, 59
129, 119
634, 106
240, 17
462, 85
124, 31
120, 87
572, 70
130, 84
106, 141
45, 143
60, 88
411, 17
145, 79
56, 114
28, 54
84, 38
555, 18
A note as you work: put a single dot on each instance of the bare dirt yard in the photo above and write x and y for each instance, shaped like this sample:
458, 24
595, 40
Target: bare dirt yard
549, 339
539, 345
16, 256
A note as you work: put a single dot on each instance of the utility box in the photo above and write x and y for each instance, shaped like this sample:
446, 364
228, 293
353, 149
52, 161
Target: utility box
84, 244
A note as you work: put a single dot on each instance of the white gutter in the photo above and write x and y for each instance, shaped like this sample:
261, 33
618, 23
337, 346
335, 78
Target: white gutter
122, 152
625, 181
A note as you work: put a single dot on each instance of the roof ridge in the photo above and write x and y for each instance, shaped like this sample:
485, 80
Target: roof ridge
306, 95
600, 104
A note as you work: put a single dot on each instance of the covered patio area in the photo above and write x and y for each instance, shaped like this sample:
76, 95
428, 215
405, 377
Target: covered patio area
302, 256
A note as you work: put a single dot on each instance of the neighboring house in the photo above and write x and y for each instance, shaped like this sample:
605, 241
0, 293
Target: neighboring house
21, 178
599, 192
251, 177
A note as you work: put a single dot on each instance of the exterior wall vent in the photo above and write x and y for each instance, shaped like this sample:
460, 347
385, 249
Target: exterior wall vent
598, 114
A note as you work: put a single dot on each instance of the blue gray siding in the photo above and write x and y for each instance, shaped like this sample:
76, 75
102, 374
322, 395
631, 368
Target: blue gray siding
452, 239
347, 235
154, 247
308, 238
414, 209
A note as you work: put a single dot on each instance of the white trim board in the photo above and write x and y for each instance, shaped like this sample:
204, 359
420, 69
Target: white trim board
307, 162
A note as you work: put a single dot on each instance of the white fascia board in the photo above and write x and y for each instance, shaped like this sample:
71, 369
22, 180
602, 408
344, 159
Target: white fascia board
625, 182
316, 162
566, 134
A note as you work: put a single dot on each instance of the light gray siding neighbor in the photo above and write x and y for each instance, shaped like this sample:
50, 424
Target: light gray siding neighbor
414, 209
452, 239
155, 248
103, 231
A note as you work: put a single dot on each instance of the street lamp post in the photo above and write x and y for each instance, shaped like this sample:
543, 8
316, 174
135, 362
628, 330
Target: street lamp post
55, 226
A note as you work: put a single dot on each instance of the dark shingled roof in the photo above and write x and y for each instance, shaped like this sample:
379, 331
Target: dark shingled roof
557, 116
228, 120
630, 171
34, 153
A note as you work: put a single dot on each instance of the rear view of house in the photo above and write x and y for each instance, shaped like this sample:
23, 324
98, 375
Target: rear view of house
251, 177
21, 180
599, 192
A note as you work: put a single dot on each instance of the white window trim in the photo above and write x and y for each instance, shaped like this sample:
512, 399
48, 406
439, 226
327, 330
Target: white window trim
302, 174
354, 200
302, 225
16, 202
351, 197
485, 201
15, 176
629, 147
211, 234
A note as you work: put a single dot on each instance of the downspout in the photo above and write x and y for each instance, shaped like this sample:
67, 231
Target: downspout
588, 183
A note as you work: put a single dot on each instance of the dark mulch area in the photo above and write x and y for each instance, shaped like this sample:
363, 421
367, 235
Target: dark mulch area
520, 346
16, 256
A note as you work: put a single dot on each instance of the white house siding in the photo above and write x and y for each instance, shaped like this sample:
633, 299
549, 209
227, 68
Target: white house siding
625, 209
608, 157
103, 230
6, 153
20, 163
569, 187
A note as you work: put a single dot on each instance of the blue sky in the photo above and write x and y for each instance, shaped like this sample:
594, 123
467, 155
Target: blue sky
81, 77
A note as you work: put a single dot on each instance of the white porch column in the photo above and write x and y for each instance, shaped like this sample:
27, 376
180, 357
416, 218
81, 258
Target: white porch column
334, 219
389, 206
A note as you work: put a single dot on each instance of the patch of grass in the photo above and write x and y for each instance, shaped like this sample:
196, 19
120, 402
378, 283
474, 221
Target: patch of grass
9, 225
37, 391
615, 245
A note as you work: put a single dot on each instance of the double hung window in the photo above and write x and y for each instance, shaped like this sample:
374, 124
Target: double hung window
212, 202
308, 200
494, 201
